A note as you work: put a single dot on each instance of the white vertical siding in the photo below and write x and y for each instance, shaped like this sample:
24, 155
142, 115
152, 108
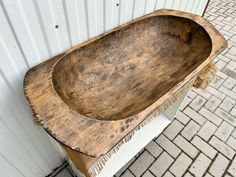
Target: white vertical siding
33, 31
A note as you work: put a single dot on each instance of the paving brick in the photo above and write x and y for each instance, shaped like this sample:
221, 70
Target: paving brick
182, 117
207, 130
190, 130
173, 129
224, 131
161, 164
223, 58
194, 115
231, 65
186, 146
154, 149
170, 147
234, 89
234, 133
233, 112
219, 166
233, 38
221, 74
229, 83
127, 174
180, 165
168, 174
227, 117
188, 175
228, 92
147, 174
222, 147
208, 175
210, 116
204, 147
232, 142
232, 167
216, 93
200, 165
227, 104
197, 103
232, 51
141, 164
212, 103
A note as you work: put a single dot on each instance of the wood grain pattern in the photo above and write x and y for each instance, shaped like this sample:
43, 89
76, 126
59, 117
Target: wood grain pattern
93, 95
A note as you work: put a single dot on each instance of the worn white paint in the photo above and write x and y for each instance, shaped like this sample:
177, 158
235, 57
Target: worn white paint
27, 37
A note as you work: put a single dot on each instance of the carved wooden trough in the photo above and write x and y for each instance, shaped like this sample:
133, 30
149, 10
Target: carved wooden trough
91, 96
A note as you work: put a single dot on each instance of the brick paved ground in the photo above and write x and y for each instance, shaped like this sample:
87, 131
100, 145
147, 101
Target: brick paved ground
201, 141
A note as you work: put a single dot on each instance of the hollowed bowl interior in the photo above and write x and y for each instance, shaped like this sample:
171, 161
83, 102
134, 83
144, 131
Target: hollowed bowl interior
124, 72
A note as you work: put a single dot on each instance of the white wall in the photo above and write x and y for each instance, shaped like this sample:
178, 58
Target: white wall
27, 37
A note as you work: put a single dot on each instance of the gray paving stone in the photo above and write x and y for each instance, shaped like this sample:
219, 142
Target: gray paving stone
227, 104
173, 129
188, 175
190, 130
168, 174
219, 166
204, 147
194, 115
210, 116
200, 165
207, 130
222, 147
186, 146
227, 117
228, 92
208, 175
216, 93
180, 165
232, 142
232, 51
212, 103
154, 149
234, 133
127, 174
233, 112
160, 166
141, 164
232, 168
229, 83
147, 174
168, 146
197, 103
224, 131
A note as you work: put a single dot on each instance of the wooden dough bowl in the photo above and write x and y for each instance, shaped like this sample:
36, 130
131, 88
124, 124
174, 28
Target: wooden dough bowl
93, 95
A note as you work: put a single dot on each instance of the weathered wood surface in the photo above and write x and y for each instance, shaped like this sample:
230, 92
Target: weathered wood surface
93, 95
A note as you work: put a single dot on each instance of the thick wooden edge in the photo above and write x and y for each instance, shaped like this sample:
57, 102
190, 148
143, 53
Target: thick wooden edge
218, 44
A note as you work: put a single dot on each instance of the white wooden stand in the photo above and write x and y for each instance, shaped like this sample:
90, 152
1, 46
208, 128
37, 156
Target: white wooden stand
139, 140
